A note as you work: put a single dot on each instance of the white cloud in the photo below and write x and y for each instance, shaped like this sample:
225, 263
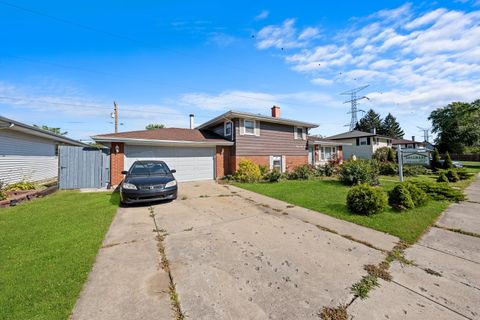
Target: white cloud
262, 15
221, 39
285, 36
309, 33
420, 60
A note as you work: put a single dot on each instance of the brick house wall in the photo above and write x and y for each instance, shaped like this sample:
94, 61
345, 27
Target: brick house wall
117, 161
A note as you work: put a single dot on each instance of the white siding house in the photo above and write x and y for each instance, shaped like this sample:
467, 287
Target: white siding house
28, 153
361, 144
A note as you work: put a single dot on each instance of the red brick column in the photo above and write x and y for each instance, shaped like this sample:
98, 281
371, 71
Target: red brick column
117, 161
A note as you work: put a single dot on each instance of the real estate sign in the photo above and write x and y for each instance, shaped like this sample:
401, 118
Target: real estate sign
420, 158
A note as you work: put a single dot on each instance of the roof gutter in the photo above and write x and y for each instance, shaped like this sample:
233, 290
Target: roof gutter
156, 142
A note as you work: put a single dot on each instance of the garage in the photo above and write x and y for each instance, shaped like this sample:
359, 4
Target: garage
191, 163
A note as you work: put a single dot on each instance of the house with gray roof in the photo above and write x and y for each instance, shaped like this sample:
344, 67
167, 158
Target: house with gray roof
361, 144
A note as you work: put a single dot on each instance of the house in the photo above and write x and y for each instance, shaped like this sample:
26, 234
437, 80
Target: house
321, 150
361, 144
29, 153
408, 144
215, 148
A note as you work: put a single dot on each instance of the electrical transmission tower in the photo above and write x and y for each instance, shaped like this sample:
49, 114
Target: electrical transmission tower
354, 104
425, 133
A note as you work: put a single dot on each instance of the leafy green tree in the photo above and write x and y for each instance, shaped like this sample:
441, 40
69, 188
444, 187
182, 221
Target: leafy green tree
153, 126
447, 164
391, 128
457, 126
435, 163
52, 129
369, 121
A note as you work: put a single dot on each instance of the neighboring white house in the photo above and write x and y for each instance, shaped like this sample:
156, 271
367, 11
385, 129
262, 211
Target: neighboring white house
29, 153
362, 144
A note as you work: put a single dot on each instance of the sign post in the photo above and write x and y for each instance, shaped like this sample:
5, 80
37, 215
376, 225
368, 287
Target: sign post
400, 162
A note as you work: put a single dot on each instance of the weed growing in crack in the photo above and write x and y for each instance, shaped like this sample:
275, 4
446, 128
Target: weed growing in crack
338, 313
432, 272
363, 287
175, 302
396, 254
378, 272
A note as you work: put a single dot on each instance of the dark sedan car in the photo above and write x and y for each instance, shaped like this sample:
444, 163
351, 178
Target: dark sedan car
148, 181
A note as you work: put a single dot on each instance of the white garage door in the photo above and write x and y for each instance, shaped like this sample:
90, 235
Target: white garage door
191, 163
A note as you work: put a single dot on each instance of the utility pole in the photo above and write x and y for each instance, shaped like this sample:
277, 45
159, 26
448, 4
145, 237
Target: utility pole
425, 133
115, 115
353, 102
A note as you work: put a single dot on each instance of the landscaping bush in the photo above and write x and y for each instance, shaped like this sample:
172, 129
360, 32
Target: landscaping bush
439, 191
388, 169
400, 199
302, 172
21, 186
381, 154
463, 174
328, 169
447, 164
435, 163
355, 172
419, 197
442, 177
273, 176
452, 176
247, 172
3, 195
413, 171
366, 200
391, 156
264, 170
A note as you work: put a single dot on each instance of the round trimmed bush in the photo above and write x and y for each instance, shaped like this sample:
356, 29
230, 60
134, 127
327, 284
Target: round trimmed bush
273, 176
400, 199
247, 172
452, 176
366, 200
442, 177
355, 172
419, 197
302, 172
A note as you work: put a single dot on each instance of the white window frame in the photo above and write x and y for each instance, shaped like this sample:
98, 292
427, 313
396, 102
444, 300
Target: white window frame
363, 141
333, 152
253, 126
227, 124
303, 135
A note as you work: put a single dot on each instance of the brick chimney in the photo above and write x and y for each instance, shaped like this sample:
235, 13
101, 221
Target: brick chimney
276, 112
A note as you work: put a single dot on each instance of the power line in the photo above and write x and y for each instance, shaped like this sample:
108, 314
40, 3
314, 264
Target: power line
107, 33
354, 103
86, 106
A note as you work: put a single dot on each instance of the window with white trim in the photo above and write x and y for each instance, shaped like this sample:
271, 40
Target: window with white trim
328, 153
228, 129
249, 126
277, 163
363, 141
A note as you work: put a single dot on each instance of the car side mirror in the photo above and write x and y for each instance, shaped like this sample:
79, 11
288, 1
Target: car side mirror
124, 172
173, 171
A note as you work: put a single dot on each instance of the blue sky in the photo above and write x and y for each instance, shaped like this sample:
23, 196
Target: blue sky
63, 64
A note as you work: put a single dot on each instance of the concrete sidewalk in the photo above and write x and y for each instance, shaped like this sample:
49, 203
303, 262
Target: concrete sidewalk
444, 283
127, 281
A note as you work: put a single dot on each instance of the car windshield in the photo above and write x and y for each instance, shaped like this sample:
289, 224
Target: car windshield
148, 168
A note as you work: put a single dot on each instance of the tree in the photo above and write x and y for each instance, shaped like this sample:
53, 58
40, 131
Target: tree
369, 121
52, 129
447, 163
391, 128
435, 163
457, 126
153, 126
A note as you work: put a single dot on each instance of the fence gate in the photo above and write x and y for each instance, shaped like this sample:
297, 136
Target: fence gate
83, 167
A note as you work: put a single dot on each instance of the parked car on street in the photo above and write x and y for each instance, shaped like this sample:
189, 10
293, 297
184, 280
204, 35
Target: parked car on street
148, 181
455, 164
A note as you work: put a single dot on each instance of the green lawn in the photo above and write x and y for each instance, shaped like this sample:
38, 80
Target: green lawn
47, 249
329, 196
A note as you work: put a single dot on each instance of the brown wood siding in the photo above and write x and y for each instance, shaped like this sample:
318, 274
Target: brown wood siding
274, 139
219, 129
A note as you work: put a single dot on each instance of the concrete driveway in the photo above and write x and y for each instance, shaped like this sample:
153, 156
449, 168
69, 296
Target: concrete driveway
234, 254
